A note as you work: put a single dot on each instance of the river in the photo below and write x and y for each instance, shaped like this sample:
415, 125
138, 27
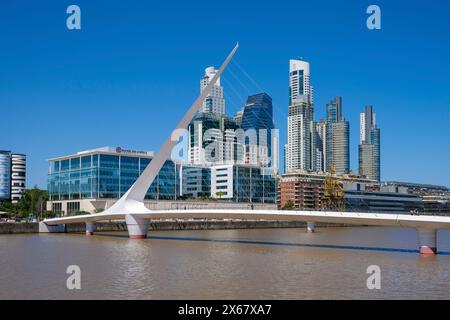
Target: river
225, 264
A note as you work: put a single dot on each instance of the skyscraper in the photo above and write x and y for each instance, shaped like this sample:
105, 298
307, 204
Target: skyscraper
214, 102
258, 116
300, 147
337, 150
369, 147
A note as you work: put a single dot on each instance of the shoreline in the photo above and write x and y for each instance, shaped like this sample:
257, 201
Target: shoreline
163, 225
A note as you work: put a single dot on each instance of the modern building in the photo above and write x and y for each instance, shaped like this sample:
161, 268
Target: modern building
93, 179
195, 182
299, 81
213, 140
337, 149
5, 175
321, 146
300, 153
299, 147
436, 198
214, 102
357, 198
18, 176
369, 147
12, 176
243, 183
257, 124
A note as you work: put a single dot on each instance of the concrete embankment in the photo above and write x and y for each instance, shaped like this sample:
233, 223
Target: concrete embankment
11, 228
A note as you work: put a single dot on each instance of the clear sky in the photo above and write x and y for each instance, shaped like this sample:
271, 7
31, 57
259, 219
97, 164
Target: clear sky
128, 75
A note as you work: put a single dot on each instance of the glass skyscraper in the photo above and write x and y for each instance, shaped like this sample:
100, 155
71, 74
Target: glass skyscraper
369, 147
258, 115
337, 150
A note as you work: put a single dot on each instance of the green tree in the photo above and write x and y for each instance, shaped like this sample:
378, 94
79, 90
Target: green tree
33, 202
289, 205
220, 194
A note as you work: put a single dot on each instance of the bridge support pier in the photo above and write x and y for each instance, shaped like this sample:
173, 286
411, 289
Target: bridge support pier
311, 227
427, 241
137, 227
90, 228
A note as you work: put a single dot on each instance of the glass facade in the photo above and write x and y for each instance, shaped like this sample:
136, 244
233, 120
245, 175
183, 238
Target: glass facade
196, 182
107, 176
5, 175
252, 185
258, 115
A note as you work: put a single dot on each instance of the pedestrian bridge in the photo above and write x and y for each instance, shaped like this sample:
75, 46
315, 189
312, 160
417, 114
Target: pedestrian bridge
138, 223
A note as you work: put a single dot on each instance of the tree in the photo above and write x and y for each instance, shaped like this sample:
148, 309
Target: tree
289, 205
32, 202
220, 194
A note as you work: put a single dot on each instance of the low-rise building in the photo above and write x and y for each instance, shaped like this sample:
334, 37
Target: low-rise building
243, 183
94, 179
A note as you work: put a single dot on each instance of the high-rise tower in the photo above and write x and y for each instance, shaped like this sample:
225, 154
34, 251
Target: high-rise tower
369, 147
337, 138
214, 102
300, 147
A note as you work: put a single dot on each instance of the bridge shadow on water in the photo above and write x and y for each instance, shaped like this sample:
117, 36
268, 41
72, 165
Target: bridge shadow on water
274, 243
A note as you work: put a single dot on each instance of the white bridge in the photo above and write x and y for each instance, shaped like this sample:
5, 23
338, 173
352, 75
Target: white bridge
130, 207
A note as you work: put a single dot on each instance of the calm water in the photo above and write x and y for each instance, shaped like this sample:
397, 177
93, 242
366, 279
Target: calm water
225, 264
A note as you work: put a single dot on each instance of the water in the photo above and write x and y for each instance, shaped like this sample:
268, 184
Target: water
225, 264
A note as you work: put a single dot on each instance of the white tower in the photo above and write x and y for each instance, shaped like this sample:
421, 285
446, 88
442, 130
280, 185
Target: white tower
300, 148
214, 102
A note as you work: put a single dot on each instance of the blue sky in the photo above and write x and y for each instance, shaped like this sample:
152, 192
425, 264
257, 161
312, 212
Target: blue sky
126, 78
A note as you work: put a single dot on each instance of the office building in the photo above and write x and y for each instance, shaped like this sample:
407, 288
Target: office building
195, 182
338, 136
261, 141
358, 199
243, 183
369, 147
213, 140
94, 179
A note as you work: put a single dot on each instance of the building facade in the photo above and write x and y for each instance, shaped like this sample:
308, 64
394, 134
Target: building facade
213, 139
243, 183
257, 124
12, 176
5, 175
300, 153
214, 102
303, 192
195, 182
369, 147
337, 149
86, 180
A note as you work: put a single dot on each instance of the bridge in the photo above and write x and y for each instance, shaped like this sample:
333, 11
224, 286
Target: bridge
130, 207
